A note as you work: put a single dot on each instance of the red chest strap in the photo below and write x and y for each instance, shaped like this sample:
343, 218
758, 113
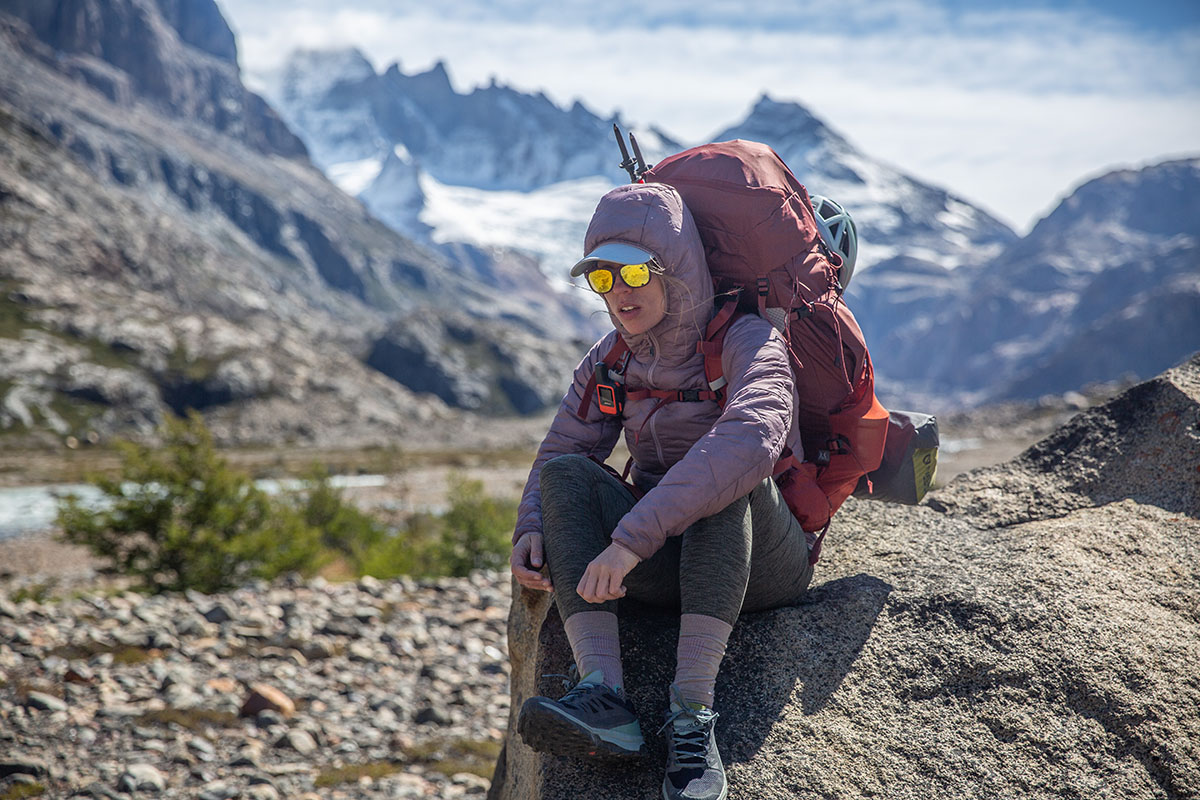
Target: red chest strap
711, 347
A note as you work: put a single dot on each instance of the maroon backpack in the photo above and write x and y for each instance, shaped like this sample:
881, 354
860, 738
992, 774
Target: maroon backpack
766, 257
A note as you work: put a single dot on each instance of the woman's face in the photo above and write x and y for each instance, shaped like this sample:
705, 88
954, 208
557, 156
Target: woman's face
639, 309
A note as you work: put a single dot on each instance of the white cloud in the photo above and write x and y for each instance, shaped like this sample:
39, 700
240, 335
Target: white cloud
1007, 109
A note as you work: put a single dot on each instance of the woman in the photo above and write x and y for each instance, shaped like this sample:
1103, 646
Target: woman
710, 536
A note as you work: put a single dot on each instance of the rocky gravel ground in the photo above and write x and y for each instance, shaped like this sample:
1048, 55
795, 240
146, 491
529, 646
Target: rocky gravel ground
294, 689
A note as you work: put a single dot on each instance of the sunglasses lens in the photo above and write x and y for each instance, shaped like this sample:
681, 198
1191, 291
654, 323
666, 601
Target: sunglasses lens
601, 280
635, 275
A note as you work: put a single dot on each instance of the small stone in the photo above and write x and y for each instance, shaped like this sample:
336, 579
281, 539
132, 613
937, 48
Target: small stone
191, 624
361, 651
45, 702
78, 672
367, 614
96, 789
342, 627
262, 791
249, 756
262, 697
250, 631
218, 790
432, 715
202, 747
142, 778
18, 764
221, 611
471, 782
203, 774
268, 717
222, 685
300, 741
317, 649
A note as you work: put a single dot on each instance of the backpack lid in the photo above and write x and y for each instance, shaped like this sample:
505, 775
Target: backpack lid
752, 213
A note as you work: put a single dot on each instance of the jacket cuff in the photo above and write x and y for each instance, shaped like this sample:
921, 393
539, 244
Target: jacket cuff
639, 547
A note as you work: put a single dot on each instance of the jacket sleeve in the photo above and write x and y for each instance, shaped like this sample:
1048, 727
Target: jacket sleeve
736, 454
593, 436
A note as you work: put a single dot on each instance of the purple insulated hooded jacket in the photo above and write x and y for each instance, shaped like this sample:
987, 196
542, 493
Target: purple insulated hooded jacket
693, 459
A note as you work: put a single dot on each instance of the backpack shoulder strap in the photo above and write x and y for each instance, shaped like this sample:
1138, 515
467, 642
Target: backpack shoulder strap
614, 356
713, 345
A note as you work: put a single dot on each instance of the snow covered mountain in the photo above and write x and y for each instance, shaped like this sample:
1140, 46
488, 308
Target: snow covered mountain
493, 137
1107, 285
953, 303
511, 175
896, 214
501, 181
459, 167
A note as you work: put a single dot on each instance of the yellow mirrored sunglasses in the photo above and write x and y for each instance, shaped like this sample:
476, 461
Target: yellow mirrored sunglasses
635, 276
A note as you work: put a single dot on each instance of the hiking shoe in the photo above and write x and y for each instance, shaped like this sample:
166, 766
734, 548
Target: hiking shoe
591, 719
694, 768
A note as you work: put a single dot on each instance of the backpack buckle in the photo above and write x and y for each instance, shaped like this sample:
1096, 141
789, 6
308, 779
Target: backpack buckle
688, 396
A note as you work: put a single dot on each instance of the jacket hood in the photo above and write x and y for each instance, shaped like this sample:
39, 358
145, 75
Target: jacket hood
652, 216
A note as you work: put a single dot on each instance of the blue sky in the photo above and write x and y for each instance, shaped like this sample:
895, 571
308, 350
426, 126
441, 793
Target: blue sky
1009, 105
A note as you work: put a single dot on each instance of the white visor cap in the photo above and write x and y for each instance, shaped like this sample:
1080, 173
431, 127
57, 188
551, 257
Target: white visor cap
616, 252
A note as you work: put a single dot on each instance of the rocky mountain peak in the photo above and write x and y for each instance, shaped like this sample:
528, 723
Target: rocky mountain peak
1160, 200
200, 24
178, 55
431, 85
312, 73
896, 214
167, 264
491, 137
789, 121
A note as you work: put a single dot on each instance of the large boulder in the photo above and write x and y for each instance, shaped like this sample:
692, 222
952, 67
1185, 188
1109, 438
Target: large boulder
1031, 631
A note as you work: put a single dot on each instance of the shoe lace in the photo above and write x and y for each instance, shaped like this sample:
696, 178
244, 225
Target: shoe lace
691, 738
571, 683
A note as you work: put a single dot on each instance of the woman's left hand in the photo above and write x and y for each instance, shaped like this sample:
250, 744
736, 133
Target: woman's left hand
602, 580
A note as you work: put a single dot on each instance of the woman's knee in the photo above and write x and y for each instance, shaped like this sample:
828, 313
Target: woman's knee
565, 469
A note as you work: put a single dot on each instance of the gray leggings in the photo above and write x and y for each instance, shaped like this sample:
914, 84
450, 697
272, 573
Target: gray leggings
750, 556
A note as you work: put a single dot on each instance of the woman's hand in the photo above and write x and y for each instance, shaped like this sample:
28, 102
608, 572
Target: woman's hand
526, 561
602, 579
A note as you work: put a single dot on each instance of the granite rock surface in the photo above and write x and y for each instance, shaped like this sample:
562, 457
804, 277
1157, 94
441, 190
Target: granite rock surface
1030, 631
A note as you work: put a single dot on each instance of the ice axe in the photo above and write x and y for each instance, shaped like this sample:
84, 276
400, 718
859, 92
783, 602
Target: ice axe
636, 166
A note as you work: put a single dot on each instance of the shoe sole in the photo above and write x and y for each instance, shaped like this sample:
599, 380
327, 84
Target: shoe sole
548, 731
723, 796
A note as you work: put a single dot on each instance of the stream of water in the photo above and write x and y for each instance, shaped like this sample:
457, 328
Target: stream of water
28, 509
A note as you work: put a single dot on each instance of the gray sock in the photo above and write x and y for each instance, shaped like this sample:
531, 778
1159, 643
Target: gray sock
702, 641
596, 644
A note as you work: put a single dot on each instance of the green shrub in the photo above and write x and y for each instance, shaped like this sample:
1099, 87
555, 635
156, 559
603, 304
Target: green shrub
474, 533
477, 530
345, 529
178, 517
